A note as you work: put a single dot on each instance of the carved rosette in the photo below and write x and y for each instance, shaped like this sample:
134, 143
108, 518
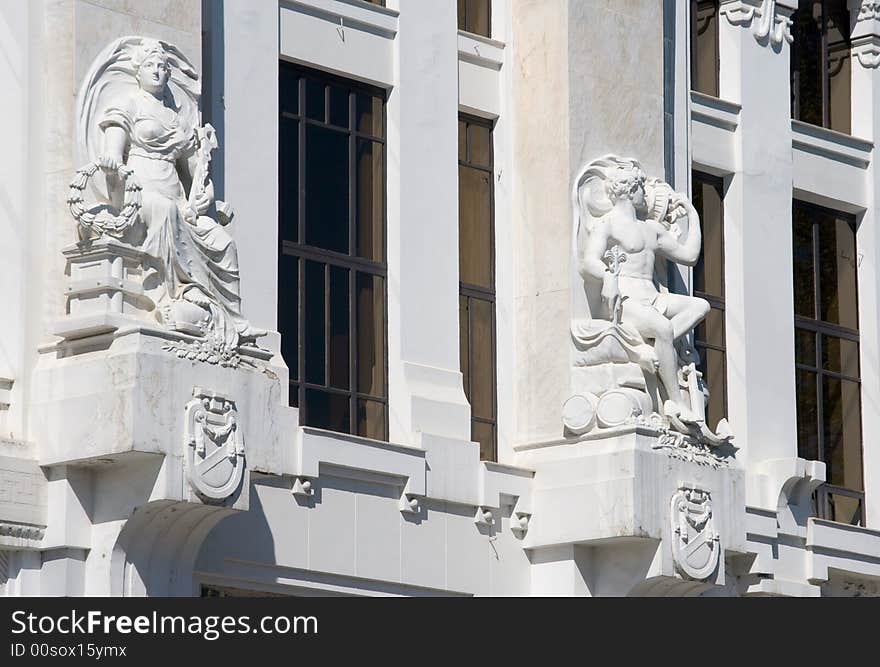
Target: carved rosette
696, 546
214, 446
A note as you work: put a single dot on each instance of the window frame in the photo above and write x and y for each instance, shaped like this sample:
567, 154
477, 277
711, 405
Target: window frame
350, 262
819, 329
825, 86
463, 21
694, 33
471, 291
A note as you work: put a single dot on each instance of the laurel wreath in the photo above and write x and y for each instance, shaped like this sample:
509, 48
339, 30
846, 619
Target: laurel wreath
102, 222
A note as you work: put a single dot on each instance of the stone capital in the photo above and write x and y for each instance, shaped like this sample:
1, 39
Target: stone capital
865, 40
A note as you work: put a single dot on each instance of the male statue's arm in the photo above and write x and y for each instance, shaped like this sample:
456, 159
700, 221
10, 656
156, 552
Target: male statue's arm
591, 250
685, 252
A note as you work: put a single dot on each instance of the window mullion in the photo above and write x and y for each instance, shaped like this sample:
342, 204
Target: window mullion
352, 345
823, 41
301, 166
352, 274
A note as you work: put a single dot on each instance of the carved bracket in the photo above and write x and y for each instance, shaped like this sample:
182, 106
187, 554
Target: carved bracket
773, 26
409, 504
484, 516
302, 488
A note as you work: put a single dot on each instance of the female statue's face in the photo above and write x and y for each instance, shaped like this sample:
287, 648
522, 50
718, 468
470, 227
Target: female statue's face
153, 73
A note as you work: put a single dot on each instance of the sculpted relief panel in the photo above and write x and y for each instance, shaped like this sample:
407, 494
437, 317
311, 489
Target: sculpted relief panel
145, 206
633, 361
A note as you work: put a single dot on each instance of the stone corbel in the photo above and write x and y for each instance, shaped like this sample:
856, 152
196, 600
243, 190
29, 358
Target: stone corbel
771, 18
302, 488
409, 498
484, 516
519, 523
408, 503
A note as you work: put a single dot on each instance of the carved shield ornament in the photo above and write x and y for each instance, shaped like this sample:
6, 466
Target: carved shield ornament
696, 545
214, 446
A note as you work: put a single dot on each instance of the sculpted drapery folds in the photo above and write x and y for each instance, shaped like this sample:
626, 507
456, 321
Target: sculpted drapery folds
139, 125
634, 343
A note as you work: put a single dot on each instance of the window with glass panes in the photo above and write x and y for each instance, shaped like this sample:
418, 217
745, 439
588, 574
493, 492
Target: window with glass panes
704, 46
709, 339
826, 323
476, 244
475, 16
332, 270
820, 64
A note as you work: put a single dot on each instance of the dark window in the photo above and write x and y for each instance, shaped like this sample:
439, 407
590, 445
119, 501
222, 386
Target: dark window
476, 243
380, 3
332, 271
708, 197
820, 64
475, 16
704, 46
827, 380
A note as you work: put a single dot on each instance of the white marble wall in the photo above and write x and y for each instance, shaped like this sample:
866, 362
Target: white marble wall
577, 93
353, 539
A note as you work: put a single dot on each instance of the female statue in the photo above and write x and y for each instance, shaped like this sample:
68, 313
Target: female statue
624, 217
139, 107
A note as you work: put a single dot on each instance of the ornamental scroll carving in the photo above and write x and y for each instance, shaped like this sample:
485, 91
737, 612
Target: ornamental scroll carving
145, 187
633, 361
770, 25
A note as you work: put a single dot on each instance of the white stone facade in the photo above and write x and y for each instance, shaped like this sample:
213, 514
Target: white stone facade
130, 467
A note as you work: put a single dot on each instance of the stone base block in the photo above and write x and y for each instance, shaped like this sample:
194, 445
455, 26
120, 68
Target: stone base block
128, 396
638, 483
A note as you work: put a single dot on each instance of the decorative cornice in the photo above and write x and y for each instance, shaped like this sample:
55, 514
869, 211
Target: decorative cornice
22, 531
866, 34
774, 22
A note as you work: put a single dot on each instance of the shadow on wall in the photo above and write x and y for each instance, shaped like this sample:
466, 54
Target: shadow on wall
213, 77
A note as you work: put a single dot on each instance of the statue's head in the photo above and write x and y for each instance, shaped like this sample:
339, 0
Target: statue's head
627, 182
153, 67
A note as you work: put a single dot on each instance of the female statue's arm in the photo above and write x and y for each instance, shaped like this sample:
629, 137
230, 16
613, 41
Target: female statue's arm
685, 252
188, 168
113, 149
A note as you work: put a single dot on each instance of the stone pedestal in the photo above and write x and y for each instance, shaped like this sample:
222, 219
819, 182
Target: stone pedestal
104, 289
112, 399
655, 511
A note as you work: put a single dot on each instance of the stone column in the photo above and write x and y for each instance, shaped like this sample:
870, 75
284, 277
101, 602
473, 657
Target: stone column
866, 124
754, 49
243, 96
425, 385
